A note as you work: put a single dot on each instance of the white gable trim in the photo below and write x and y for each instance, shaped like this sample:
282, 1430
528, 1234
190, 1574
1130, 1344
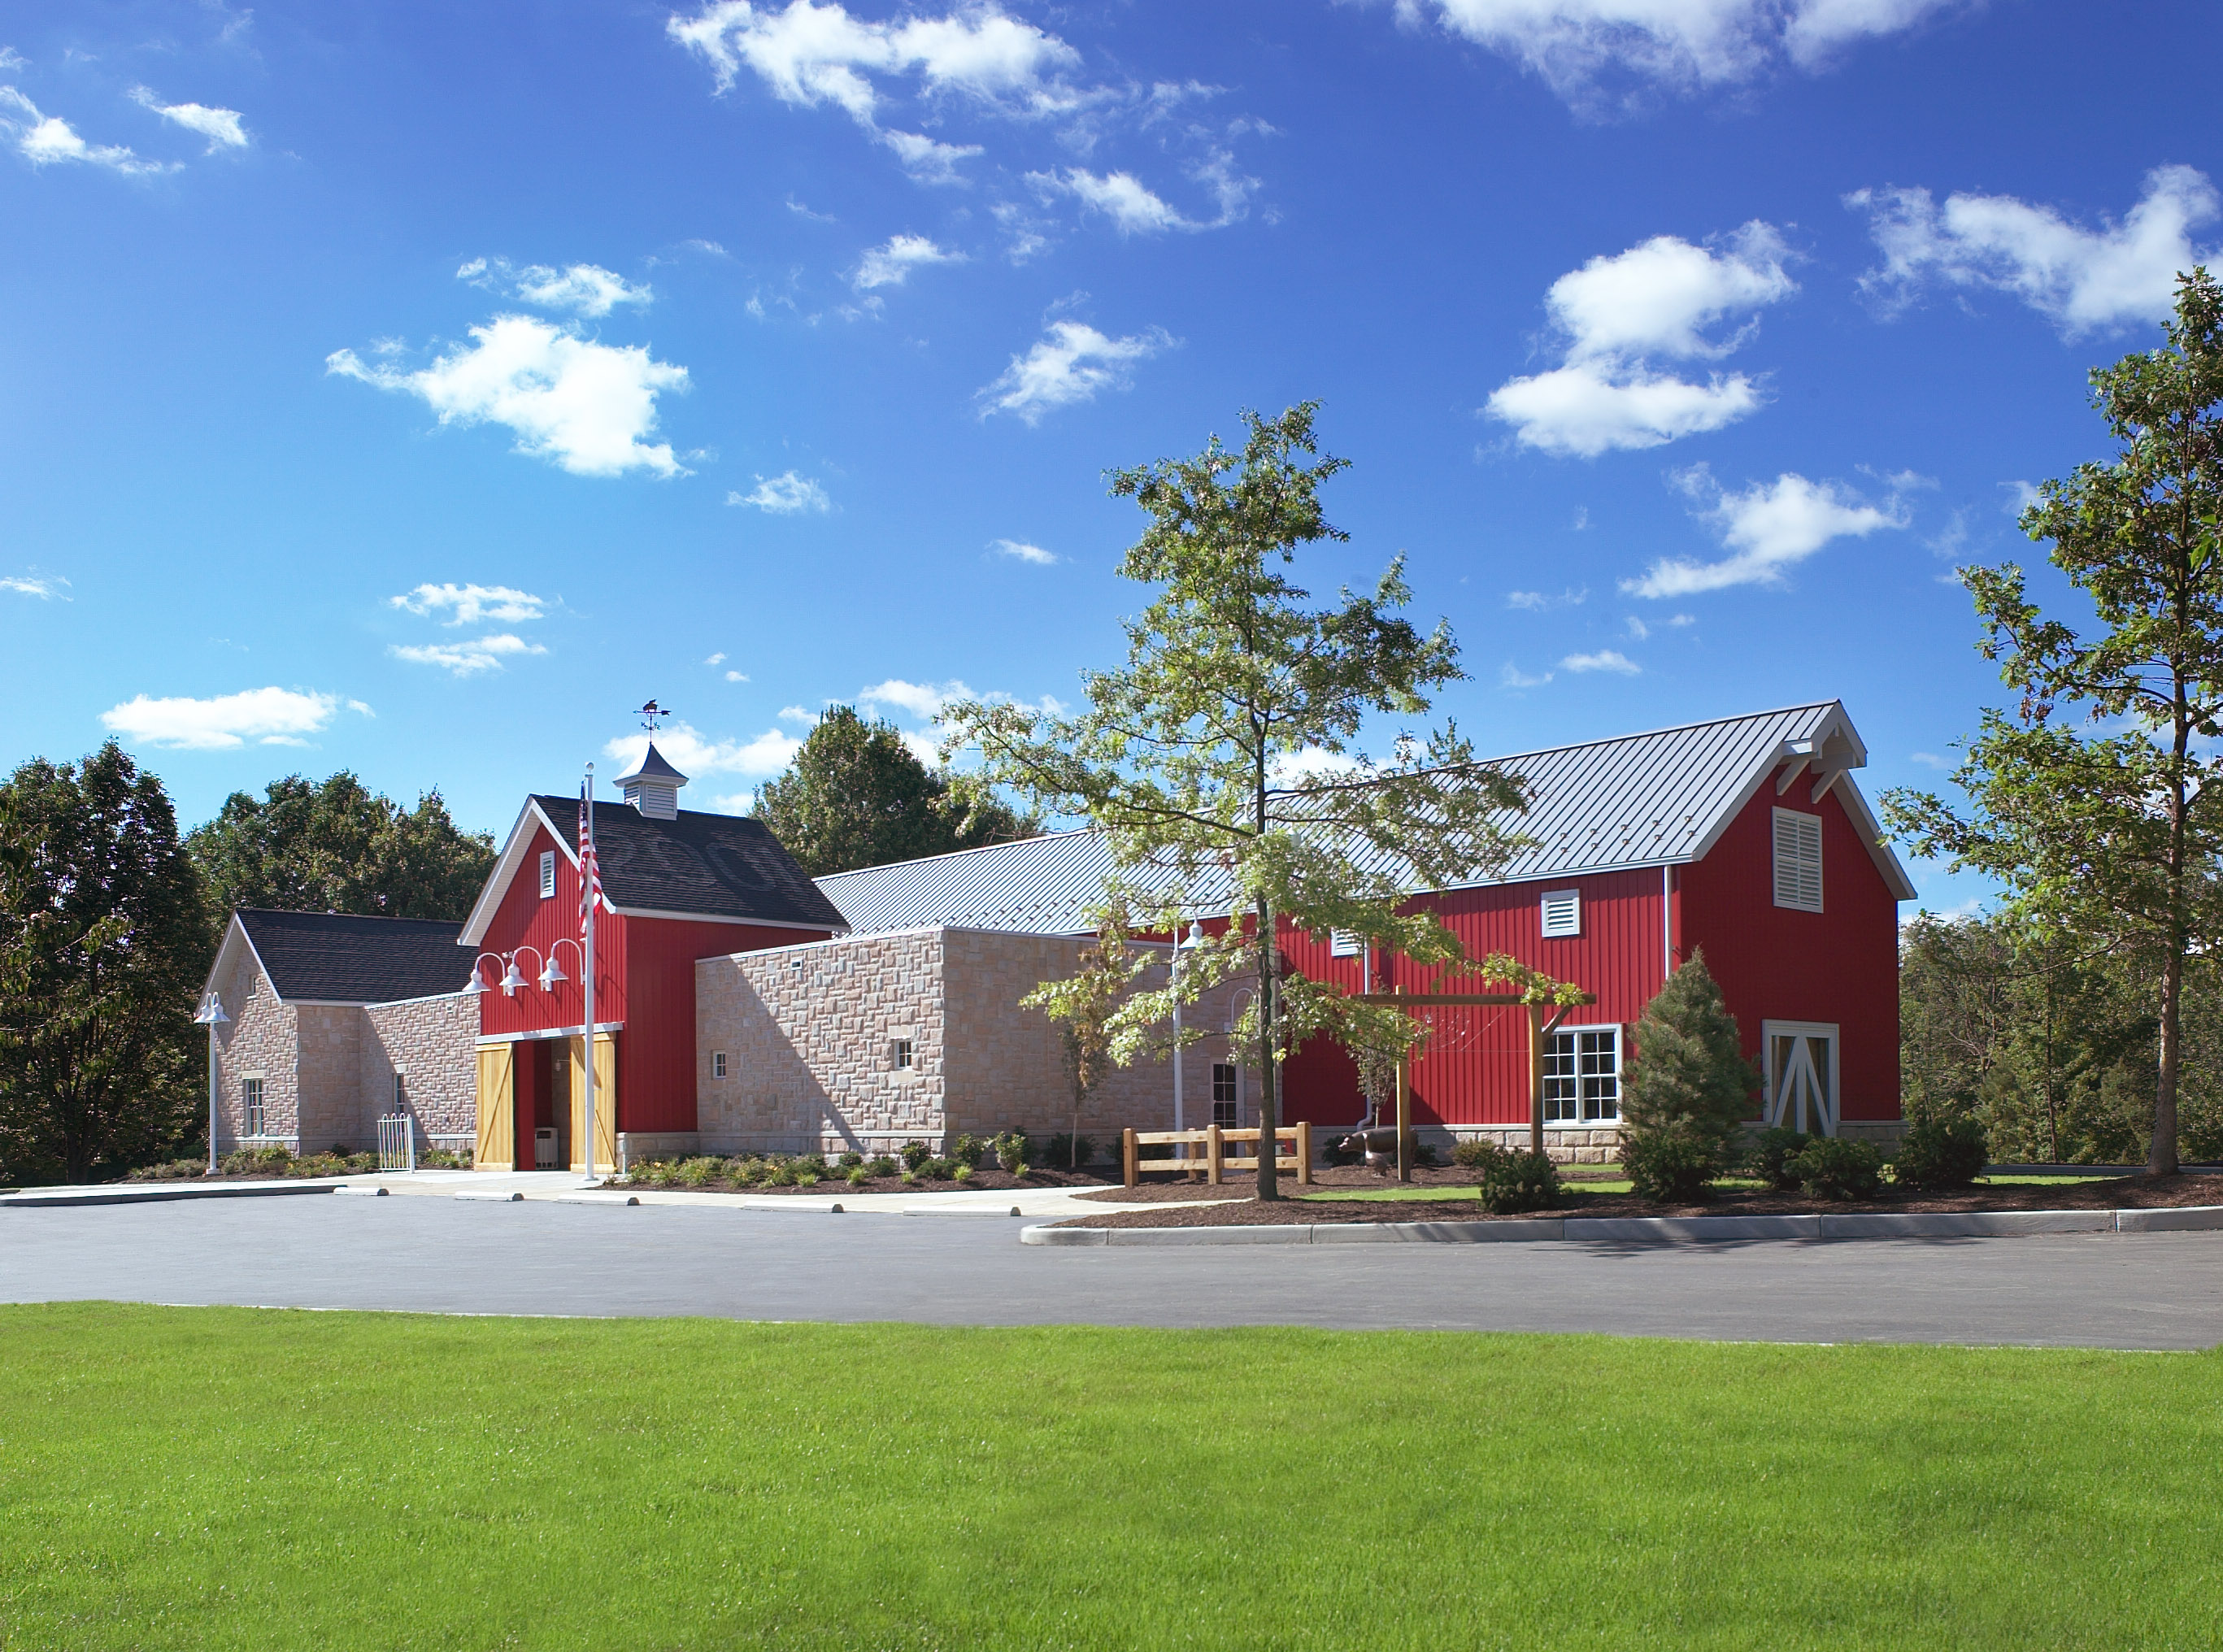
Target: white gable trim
512, 861
235, 936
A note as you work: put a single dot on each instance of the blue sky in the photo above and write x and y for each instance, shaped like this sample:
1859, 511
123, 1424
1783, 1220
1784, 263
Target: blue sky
416, 392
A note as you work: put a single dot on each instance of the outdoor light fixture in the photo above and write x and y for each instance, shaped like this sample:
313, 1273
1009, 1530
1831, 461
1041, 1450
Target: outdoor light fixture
211, 1015
511, 980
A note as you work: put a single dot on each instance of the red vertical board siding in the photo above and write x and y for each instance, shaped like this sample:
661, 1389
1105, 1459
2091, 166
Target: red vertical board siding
1840, 964
644, 979
1477, 1069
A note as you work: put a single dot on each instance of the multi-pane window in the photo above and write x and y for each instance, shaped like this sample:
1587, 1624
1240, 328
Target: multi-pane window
1582, 1077
1798, 860
547, 874
400, 1092
717, 1064
1226, 1095
250, 1107
902, 1054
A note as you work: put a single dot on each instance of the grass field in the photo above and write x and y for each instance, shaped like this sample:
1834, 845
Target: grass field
215, 1477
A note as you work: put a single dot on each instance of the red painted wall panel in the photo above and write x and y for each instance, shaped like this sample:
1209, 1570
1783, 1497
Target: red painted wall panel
1840, 964
525, 920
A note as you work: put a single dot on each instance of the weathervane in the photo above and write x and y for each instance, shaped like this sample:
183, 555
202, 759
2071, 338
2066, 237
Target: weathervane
651, 714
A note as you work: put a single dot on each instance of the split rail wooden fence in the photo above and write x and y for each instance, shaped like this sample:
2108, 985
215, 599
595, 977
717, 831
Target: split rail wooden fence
1216, 1162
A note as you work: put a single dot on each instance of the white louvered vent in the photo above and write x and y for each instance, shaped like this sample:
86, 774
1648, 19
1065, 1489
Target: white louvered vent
1342, 943
1798, 860
1563, 913
547, 874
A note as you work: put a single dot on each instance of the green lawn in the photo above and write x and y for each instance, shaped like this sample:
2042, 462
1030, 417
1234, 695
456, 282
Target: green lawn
227, 1478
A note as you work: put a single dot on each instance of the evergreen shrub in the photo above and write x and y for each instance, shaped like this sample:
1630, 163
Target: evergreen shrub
1512, 1183
915, 1154
1944, 1150
883, 1165
1686, 1095
1771, 1151
1672, 1164
1829, 1167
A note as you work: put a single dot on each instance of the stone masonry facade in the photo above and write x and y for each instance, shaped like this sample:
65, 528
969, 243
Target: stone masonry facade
327, 1070
810, 1035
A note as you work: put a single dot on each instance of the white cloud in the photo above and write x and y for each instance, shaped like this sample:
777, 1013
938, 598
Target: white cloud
43, 140
1682, 45
784, 495
267, 716
466, 604
892, 265
584, 405
692, 755
715, 659
928, 160
1769, 526
1665, 298
923, 701
1135, 208
1537, 602
11, 59
1512, 676
1019, 551
737, 676
45, 587
1638, 629
584, 289
1071, 364
1605, 659
1930, 760
2080, 279
2020, 497
813, 55
797, 714
1314, 763
221, 127
485, 653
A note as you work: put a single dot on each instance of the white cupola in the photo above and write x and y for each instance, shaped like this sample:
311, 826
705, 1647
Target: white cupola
653, 786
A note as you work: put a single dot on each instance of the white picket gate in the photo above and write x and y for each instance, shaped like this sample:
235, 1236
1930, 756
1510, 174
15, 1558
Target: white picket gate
397, 1142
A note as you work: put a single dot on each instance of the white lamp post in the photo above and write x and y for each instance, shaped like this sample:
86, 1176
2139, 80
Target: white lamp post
1181, 944
211, 1015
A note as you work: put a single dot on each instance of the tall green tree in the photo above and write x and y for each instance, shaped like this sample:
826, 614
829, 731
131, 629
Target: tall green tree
1223, 751
1689, 1090
335, 845
104, 936
856, 794
2114, 830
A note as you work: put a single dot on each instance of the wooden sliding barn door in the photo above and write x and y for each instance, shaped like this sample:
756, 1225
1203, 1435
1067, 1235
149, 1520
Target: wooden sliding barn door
606, 1102
497, 1119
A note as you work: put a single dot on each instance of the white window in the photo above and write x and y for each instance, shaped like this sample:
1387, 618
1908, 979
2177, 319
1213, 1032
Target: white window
547, 874
1563, 912
1582, 1075
902, 1054
1798, 860
1226, 1094
1343, 943
717, 1064
251, 1120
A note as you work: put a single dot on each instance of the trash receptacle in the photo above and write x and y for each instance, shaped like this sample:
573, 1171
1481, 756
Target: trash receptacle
543, 1150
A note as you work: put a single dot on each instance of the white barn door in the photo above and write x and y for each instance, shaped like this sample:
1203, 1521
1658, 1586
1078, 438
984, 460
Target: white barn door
1801, 1076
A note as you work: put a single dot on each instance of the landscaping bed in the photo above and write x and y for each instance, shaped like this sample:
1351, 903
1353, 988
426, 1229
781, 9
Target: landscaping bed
1174, 1204
975, 1164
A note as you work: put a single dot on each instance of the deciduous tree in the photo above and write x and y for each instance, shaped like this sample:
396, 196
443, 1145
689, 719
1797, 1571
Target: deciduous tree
335, 845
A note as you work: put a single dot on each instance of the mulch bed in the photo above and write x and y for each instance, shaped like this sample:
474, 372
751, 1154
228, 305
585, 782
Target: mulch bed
985, 1180
2131, 1192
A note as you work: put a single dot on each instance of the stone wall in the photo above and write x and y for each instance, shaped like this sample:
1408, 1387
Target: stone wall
433, 1043
327, 1055
258, 1041
810, 1034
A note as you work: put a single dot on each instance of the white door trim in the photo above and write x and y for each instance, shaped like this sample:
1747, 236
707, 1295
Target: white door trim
1782, 1099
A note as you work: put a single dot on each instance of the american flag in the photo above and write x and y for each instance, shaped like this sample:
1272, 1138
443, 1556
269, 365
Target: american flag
590, 870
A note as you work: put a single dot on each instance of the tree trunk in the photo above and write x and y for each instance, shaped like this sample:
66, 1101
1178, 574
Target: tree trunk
2161, 1160
1269, 1112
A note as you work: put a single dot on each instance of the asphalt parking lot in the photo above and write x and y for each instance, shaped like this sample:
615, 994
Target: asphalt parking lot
441, 1255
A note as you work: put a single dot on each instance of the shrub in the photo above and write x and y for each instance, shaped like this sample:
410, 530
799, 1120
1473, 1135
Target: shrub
807, 1177
177, 1170
968, 1151
779, 1175
1476, 1154
960, 1171
910, 1176
698, 1172
1944, 1150
1828, 1167
1513, 1182
1671, 1165
1010, 1148
1424, 1156
441, 1158
937, 1170
810, 1164
858, 1175
851, 1160
882, 1165
1023, 1170
915, 1154
1065, 1151
1771, 1151
1685, 1096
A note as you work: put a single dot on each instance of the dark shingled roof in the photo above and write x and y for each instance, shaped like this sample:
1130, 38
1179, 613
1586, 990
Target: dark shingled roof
718, 865
340, 958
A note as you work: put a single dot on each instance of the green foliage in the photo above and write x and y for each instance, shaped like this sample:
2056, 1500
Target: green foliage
880, 1166
104, 939
1023, 1170
968, 1151
1194, 756
1944, 1150
856, 794
851, 1160
697, 1173
1063, 1152
1688, 1092
858, 1176
1010, 1148
334, 845
1770, 1155
915, 1154
1830, 1167
1510, 1183
1675, 1163
960, 1171
2107, 839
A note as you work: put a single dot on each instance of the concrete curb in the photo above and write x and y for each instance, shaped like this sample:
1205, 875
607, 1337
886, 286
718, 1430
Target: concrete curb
160, 1193
1657, 1230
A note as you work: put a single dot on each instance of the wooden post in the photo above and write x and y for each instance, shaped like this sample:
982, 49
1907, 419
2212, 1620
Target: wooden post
1536, 1078
1304, 1152
1214, 1152
1130, 1157
1404, 1112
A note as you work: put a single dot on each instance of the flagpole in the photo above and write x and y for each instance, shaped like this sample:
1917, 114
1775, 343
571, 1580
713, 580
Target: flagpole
588, 878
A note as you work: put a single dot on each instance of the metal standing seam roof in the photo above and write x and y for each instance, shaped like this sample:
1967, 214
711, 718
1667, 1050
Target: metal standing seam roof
1655, 799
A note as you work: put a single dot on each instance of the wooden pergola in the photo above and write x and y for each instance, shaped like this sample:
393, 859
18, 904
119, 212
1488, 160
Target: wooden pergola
1543, 1020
